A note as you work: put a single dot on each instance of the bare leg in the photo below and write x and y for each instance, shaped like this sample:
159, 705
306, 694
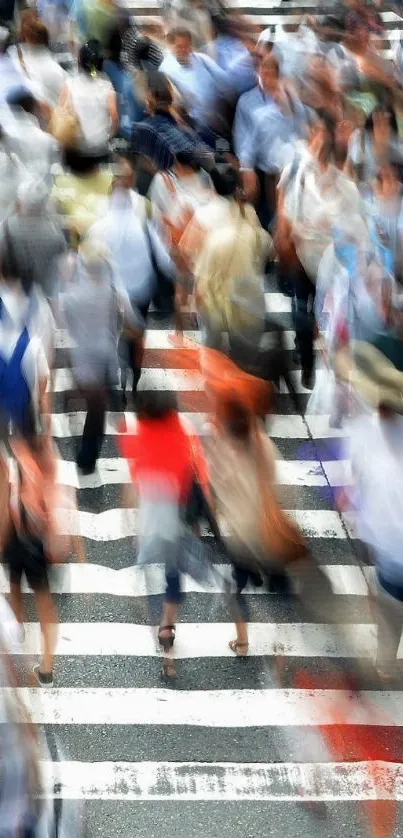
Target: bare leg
165, 637
239, 613
48, 621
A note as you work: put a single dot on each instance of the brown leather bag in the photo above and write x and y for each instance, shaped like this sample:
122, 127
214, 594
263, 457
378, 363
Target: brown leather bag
281, 537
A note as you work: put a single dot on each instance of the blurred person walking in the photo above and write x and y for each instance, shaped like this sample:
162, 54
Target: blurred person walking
242, 466
34, 239
90, 99
96, 304
132, 241
34, 58
165, 461
237, 249
374, 373
33, 539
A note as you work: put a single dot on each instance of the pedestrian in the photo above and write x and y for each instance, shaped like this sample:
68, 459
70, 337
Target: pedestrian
34, 237
237, 249
132, 240
375, 498
33, 538
95, 304
165, 459
90, 99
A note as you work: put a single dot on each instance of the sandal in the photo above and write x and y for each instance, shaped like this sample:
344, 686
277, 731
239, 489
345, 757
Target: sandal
166, 641
240, 649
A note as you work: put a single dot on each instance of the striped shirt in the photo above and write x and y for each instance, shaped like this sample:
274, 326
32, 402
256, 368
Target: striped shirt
135, 56
159, 138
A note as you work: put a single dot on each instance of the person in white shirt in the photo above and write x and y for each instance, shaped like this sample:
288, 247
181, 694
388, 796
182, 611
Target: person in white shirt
136, 250
33, 57
92, 98
23, 136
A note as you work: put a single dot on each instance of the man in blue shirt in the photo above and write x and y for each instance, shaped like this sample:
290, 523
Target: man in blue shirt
264, 150
203, 85
252, 101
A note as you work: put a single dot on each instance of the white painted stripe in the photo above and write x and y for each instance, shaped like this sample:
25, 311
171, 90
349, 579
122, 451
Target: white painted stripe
160, 338
320, 429
121, 523
278, 426
155, 338
115, 471
192, 781
209, 640
151, 379
338, 472
346, 580
164, 379
265, 4
208, 708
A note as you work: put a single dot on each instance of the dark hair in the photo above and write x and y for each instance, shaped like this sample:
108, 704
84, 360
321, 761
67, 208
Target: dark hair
238, 420
187, 158
369, 122
90, 57
225, 180
114, 46
160, 89
20, 97
154, 404
179, 32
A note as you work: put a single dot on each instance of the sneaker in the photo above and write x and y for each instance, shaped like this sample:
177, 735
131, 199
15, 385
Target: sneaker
45, 679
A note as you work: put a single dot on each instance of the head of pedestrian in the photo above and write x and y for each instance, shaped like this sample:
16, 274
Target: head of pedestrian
381, 126
20, 98
159, 93
90, 58
180, 41
186, 164
154, 405
357, 38
226, 181
32, 31
237, 420
269, 74
388, 181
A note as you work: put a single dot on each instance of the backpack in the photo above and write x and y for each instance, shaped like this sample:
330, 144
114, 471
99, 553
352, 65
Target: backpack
16, 406
33, 503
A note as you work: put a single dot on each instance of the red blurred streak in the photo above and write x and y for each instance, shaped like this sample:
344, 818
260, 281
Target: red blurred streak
367, 745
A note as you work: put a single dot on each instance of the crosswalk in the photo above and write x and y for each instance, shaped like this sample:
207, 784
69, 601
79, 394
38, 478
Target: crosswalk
232, 745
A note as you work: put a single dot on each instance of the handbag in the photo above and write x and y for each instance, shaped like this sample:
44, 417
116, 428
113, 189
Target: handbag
64, 124
281, 538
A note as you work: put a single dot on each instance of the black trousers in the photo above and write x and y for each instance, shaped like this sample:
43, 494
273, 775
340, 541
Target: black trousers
304, 317
96, 399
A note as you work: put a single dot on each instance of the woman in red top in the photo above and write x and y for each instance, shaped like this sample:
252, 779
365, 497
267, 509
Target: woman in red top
165, 457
